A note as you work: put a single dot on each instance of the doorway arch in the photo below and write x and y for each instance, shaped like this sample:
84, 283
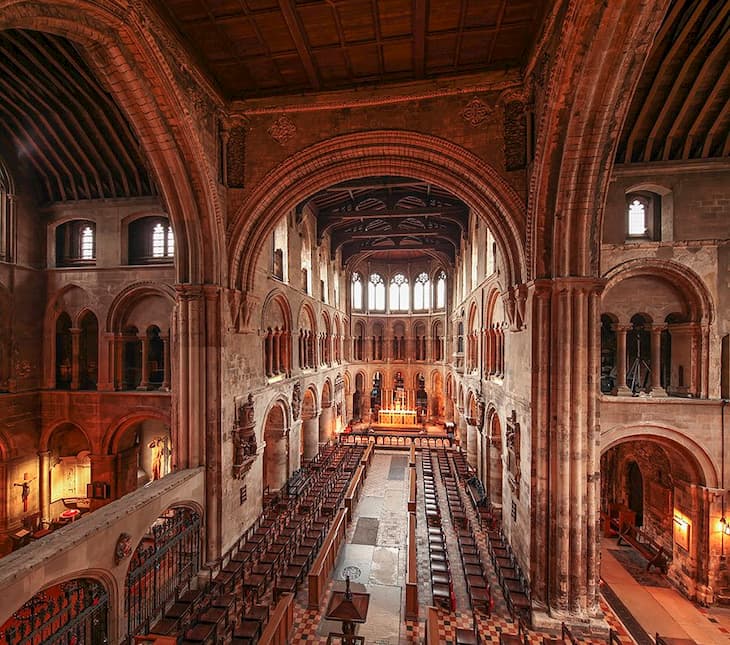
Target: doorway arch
276, 448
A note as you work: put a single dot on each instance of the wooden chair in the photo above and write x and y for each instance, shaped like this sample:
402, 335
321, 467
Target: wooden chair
469, 636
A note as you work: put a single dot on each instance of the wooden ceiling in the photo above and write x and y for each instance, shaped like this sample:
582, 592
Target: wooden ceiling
681, 109
390, 217
63, 125
268, 47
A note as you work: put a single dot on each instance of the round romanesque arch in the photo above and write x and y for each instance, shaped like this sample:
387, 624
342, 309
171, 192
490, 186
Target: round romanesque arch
122, 50
383, 152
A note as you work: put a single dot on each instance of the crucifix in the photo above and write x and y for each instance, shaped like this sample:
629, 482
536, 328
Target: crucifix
25, 493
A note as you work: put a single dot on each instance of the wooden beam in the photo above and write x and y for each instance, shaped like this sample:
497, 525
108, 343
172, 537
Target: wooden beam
679, 82
300, 41
419, 37
702, 115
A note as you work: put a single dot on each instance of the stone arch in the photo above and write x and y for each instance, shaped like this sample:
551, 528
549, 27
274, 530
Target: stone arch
143, 446
493, 456
665, 434
102, 577
123, 52
130, 297
672, 320
584, 96
276, 445
383, 152
687, 282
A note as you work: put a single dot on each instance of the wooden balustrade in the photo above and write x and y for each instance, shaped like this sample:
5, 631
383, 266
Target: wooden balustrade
280, 622
325, 562
412, 489
400, 440
412, 571
432, 627
353, 491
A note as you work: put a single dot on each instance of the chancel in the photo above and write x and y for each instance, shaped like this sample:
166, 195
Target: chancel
428, 296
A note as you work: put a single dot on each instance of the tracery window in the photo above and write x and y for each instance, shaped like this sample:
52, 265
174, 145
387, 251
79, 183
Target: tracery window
399, 300
441, 290
357, 291
422, 292
376, 293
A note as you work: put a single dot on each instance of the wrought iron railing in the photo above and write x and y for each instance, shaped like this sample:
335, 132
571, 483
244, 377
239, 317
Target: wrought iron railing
71, 612
162, 566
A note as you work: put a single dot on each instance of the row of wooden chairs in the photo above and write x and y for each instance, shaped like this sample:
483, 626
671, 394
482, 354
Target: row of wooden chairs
513, 582
477, 586
442, 589
277, 551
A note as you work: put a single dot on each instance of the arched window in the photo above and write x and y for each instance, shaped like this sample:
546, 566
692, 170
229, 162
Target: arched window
150, 240
376, 293
280, 245
357, 291
75, 243
441, 290
399, 300
637, 217
422, 292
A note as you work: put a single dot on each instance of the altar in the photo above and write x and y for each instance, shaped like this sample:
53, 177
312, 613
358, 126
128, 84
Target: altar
397, 418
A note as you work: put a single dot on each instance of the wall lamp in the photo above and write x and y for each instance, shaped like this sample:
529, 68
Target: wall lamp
725, 525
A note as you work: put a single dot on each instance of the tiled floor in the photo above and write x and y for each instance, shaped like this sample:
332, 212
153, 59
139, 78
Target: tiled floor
381, 570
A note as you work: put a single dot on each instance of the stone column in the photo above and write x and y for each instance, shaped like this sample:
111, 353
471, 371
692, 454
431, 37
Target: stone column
326, 423
310, 428
105, 380
621, 388
144, 383
166, 362
656, 361
75, 350
461, 430
471, 443
44, 486
119, 362
566, 355
276, 360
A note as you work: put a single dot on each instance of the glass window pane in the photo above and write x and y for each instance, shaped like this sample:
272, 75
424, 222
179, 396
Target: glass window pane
637, 218
158, 241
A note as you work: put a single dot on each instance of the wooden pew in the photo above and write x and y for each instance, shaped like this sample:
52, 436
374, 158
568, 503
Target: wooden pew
280, 622
412, 571
325, 562
412, 456
412, 490
432, 627
367, 456
647, 548
352, 494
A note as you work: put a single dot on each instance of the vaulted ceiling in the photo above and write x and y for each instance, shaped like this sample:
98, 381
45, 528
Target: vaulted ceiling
390, 218
266, 47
